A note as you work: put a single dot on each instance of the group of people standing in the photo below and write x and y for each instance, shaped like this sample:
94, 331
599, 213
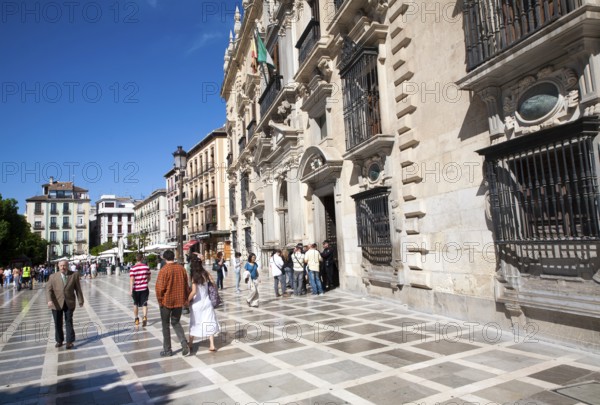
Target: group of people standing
305, 263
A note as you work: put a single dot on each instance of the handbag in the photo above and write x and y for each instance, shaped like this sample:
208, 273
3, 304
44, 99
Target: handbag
213, 294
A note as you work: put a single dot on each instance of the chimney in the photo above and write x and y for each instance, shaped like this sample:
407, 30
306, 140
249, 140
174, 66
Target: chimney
51, 180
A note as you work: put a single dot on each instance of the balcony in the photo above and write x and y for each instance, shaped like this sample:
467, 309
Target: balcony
53, 226
66, 226
38, 212
270, 93
54, 211
491, 30
53, 242
66, 212
38, 227
66, 240
81, 226
82, 240
308, 39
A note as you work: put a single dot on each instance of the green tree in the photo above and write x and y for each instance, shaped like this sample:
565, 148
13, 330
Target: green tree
96, 250
16, 238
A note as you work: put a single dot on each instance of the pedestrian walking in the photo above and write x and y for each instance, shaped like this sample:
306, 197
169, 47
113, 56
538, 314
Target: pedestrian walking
288, 269
236, 263
63, 291
139, 277
172, 291
203, 319
252, 279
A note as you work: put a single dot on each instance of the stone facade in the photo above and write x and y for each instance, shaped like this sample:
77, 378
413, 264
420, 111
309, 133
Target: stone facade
395, 130
61, 216
114, 216
208, 195
151, 219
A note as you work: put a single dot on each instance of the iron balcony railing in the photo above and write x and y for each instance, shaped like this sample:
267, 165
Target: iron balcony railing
491, 26
53, 211
362, 118
308, 39
270, 93
66, 226
38, 212
38, 227
54, 226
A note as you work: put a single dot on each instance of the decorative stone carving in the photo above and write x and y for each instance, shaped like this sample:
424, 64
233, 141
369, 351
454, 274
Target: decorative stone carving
325, 66
547, 99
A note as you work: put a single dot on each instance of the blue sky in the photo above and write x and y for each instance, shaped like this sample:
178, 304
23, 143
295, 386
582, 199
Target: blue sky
104, 91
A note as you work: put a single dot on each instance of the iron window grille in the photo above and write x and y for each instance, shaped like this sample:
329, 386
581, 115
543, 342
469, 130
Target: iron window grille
244, 183
360, 85
248, 239
373, 225
491, 26
545, 190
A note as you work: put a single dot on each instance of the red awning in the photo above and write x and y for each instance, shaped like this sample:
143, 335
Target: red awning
189, 244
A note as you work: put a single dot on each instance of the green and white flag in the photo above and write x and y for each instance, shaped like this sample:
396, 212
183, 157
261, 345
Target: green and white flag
263, 55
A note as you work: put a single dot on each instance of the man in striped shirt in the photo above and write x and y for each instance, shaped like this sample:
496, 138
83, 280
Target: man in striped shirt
139, 277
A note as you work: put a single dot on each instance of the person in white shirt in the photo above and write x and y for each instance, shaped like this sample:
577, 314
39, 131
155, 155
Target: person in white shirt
313, 259
298, 262
276, 263
236, 264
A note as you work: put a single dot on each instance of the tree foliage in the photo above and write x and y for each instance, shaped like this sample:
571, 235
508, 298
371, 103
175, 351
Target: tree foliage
16, 238
96, 250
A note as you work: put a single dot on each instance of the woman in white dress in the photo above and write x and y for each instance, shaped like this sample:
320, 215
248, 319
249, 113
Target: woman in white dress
203, 320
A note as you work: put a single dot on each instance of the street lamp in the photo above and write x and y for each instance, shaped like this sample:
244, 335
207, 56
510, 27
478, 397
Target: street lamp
180, 162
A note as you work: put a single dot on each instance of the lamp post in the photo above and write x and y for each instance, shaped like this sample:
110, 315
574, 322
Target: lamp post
180, 162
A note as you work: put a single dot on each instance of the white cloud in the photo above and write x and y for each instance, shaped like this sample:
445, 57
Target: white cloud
202, 40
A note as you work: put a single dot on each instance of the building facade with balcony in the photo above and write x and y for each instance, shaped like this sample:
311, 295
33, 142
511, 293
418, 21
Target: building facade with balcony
150, 218
172, 198
114, 218
449, 152
207, 199
61, 216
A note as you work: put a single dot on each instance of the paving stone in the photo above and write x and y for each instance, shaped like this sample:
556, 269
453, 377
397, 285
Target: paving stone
391, 391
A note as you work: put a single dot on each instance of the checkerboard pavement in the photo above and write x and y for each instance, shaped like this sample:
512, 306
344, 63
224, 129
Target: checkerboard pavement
338, 348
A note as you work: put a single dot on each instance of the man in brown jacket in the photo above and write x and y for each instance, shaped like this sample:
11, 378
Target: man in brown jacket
172, 290
61, 289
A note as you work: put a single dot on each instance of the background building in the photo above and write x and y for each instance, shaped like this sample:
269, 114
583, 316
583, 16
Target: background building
481, 205
114, 216
150, 217
61, 216
172, 197
208, 224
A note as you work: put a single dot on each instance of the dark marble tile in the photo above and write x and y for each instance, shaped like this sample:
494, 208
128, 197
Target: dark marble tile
366, 329
207, 397
84, 366
452, 375
220, 356
81, 353
397, 358
170, 384
446, 347
562, 375
345, 370
244, 369
20, 376
278, 345
391, 390
17, 364
356, 346
166, 365
270, 389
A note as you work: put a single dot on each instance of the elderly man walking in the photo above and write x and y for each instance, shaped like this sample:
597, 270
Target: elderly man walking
172, 290
61, 291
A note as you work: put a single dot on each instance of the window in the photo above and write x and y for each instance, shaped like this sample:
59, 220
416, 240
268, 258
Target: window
65, 237
109, 205
65, 221
52, 236
234, 241
244, 183
79, 236
232, 202
373, 225
37, 225
53, 209
110, 229
358, 71
248, 239
545, 191
322, 124
38, 208
79, 220
66, 208
66, 250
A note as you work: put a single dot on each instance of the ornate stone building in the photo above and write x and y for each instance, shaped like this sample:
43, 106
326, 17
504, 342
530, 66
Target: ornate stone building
448, 150
150, 216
